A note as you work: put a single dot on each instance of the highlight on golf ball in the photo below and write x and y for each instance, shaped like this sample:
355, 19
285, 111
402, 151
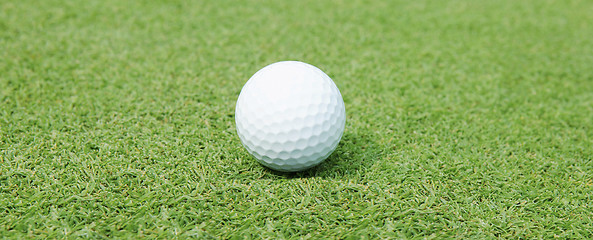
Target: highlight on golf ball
290, 116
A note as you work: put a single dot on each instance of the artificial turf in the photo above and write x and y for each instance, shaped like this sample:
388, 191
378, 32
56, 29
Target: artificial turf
464, 119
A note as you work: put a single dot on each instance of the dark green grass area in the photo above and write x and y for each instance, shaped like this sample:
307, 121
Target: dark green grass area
464, 119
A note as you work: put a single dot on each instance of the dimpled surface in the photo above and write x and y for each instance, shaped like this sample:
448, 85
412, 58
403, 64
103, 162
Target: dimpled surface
290, 116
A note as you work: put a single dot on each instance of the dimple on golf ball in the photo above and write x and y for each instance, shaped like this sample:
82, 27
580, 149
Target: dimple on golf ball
290, 116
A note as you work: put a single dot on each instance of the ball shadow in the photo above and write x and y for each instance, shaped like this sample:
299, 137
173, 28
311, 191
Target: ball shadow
354, 155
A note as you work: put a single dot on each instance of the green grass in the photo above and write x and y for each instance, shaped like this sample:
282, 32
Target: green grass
464, 119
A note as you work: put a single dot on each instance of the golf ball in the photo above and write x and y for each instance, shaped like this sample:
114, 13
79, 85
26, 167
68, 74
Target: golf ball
290, 116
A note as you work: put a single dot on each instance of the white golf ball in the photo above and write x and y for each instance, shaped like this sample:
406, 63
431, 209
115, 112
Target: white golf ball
290, 116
